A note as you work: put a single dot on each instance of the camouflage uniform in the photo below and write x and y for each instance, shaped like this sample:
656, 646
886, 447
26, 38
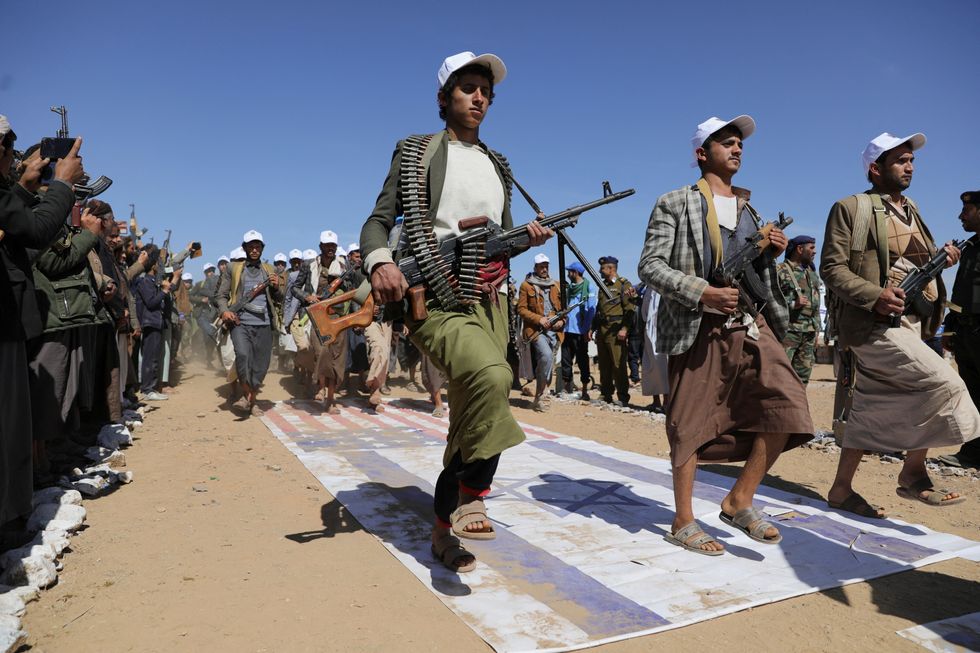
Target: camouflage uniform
801, 337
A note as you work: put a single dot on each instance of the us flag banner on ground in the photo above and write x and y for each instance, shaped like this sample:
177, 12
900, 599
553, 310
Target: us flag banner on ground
580, 557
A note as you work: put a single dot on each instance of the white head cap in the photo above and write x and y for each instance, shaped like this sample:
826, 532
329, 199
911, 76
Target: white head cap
744, 123
251, 235
295, 253
541, 258
5, 127
279, 257
884, 142
309, 255
353, 247
224, 258
457, 61
341, 251
327, 237
238, 252
187, 276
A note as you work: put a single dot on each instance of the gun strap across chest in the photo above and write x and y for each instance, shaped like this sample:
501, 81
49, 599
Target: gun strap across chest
711, 217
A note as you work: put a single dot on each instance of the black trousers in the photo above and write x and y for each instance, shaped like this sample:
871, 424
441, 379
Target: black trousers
635, 352
575, 351
475, 476
151, 344
967, 354
16, 468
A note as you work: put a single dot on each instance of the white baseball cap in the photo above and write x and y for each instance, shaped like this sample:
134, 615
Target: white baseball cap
884, 142
353, 247
224, 258
238, 252
327, 237
5, 127
209, 266
279, 257
295, 253
309, 254
251, 235
457, 61
541, 258
187, 276
745, 124
341, 251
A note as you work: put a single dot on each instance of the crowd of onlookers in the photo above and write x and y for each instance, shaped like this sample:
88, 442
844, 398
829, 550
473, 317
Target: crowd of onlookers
90, 322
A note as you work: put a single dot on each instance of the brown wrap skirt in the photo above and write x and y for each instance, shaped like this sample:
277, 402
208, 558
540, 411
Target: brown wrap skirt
728, 387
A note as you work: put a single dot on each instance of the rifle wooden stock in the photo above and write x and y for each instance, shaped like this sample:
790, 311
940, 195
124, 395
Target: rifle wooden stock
328, 328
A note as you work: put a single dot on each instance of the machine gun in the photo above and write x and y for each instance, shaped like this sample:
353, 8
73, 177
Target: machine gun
218, 324
134, 229
456, 254
555, 319
916, 281
736, 270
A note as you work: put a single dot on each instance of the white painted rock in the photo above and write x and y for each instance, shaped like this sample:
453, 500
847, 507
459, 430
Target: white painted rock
25, 592
57, 495
56, 517
35, 571
12, 636
102, 455
57, 540
93, 486
9, 558
12, 604
123, 477
114, 436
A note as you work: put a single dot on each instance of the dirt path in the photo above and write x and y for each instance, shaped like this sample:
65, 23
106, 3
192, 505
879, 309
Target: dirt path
225, 542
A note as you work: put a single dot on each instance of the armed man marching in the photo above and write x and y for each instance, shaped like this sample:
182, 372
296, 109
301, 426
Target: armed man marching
902, 396
450, 257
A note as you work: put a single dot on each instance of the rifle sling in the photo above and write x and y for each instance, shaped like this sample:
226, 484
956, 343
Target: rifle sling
714, 231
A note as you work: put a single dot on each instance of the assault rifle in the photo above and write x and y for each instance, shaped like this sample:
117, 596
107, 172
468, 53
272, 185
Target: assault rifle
239, 306
736, 270
916, 281
554, 319
321, 313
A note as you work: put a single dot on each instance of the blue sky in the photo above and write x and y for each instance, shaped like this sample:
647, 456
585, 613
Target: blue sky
214, 118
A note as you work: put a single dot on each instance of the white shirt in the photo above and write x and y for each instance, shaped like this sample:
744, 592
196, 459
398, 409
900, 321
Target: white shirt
472, 188
725, 208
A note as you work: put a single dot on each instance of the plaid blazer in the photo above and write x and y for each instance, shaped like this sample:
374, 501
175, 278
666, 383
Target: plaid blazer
672, 263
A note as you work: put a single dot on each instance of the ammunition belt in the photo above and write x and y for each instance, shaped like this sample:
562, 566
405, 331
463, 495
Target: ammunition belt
417, 227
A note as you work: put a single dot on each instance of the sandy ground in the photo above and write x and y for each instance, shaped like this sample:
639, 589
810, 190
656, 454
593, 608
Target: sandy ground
225, 542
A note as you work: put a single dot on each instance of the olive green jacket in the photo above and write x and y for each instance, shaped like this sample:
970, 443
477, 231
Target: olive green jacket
64, 286
374, 234
858, 292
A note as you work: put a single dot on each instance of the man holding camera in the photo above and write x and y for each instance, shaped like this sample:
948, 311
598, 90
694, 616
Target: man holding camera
252, 327
22, 228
